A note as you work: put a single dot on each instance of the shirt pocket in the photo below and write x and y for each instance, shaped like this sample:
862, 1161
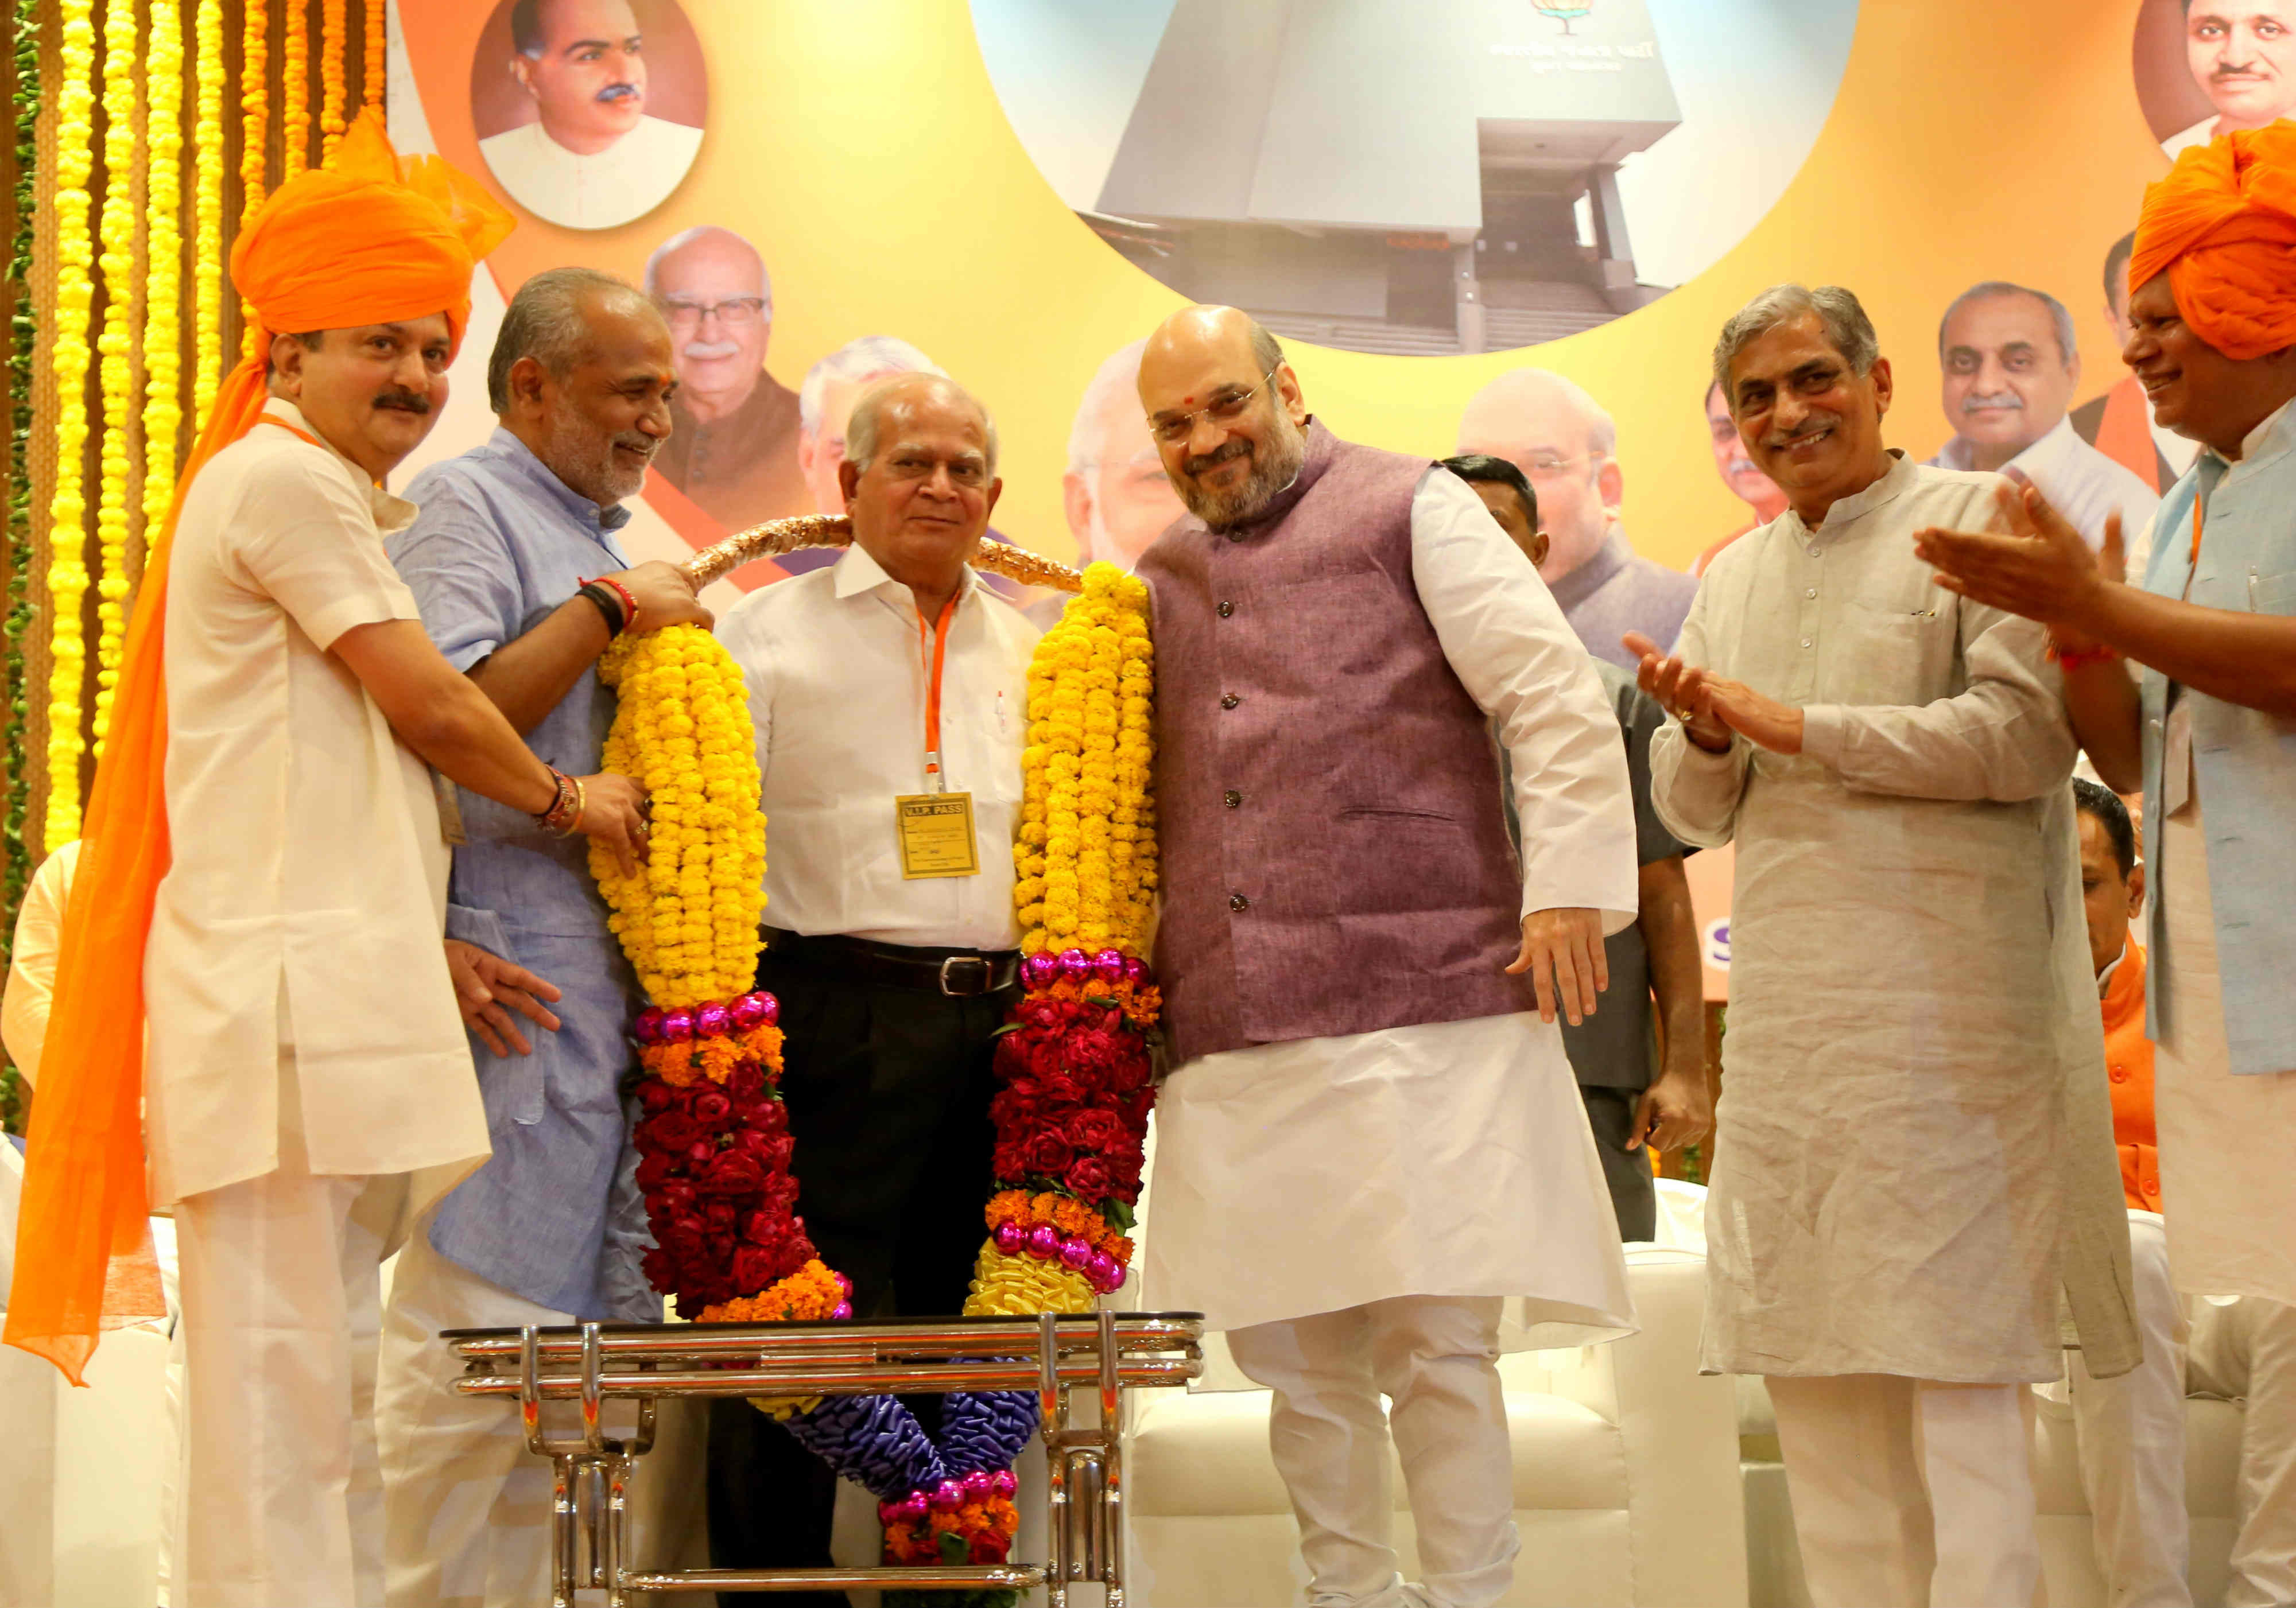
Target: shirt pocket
511, 1086
2273, 594
1891, 656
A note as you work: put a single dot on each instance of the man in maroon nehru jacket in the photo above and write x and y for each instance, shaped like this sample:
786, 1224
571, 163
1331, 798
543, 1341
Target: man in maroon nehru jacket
1373, 1167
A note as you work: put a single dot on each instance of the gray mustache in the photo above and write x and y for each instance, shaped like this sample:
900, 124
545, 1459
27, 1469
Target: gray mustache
1210, 460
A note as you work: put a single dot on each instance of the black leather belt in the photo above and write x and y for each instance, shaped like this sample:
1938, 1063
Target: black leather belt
960, 973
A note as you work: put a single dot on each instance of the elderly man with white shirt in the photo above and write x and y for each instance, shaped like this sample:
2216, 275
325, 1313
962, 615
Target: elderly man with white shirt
2011, 366
891, 673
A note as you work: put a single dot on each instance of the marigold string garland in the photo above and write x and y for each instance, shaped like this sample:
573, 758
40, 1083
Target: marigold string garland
713, 1143
15, 874
1073, 1065
373, 71
115, 347
295, 94
254, 129
330, 76
163, 279
206, 213
68, 361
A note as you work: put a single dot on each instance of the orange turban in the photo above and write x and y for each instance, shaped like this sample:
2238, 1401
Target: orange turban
2223, 223
365, 240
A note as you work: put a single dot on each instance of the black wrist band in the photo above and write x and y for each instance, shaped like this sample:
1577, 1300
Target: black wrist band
610, 607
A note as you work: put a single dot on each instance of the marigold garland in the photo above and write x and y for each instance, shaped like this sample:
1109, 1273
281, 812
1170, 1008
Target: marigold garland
163, 280
295, 94
206, 212
68, 361
254, 132
1073, 1064
330, 77
114, 348
713, 1141
374, 66
16, 872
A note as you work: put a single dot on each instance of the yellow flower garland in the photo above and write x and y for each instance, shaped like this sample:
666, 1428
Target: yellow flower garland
373, 68
295, 94
689, 920
1086, 849
1085, 853
163, 283
114, 348
254, 132
68, 361
207, 214
330, 77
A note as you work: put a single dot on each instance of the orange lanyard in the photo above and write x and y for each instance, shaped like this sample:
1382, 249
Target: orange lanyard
2196, 527
933, 663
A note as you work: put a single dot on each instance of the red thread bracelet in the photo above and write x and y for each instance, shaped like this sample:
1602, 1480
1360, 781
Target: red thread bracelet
629, 603
2069, 661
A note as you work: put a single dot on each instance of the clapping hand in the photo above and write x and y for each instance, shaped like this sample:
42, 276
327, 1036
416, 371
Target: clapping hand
2041, 569
1712, 707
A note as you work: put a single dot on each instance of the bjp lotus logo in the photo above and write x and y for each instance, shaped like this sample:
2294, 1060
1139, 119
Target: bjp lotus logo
1562, 10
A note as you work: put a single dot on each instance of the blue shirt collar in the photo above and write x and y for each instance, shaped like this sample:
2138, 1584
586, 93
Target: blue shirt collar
584, 512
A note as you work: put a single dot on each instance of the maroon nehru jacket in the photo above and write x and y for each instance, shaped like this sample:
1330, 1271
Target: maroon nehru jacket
1335, 857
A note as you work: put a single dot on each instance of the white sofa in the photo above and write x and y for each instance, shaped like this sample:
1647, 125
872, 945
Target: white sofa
1625, 1475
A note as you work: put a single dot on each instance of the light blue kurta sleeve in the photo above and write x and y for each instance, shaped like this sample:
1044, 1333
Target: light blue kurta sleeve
457, 561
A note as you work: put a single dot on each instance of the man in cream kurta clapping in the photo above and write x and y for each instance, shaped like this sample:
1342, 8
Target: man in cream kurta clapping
1914, 1149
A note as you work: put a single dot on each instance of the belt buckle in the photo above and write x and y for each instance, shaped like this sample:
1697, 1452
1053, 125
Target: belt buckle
988, 974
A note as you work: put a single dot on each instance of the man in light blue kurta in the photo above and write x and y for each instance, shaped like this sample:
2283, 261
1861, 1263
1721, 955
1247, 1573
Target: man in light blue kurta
551, 1229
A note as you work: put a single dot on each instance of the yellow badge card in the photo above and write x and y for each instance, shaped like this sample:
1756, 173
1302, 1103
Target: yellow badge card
937, 835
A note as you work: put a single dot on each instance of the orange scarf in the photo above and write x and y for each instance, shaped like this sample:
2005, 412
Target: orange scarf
365, 240
2223, 225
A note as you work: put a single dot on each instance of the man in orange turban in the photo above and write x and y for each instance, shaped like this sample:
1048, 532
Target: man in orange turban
264, 854
2212, 622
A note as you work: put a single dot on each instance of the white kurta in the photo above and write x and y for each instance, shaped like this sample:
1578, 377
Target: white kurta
1914, 1143
624, 182
1447, 1158
297, 932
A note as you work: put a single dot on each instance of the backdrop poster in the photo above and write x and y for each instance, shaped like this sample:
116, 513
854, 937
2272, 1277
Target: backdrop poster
1492, 224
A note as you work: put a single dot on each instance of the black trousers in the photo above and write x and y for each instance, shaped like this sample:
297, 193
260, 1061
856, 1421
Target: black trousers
888, 1093
1610, 1113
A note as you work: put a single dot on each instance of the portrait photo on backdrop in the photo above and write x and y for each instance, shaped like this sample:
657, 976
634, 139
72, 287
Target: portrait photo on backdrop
589, 113
2206, 67
732, 448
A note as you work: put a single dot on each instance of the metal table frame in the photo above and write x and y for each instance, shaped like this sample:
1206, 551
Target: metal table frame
1107, 1353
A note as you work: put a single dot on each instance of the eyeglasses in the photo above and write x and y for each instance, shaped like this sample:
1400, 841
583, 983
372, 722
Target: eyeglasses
736, 312
1548, 466
1171, 429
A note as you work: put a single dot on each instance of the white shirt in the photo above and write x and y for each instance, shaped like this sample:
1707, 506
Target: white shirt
1449, 1158
837, 671
2081, 483
625, 181
32, 961
300, 921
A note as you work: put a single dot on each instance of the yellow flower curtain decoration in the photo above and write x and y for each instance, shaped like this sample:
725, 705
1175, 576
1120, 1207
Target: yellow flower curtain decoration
139, 192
